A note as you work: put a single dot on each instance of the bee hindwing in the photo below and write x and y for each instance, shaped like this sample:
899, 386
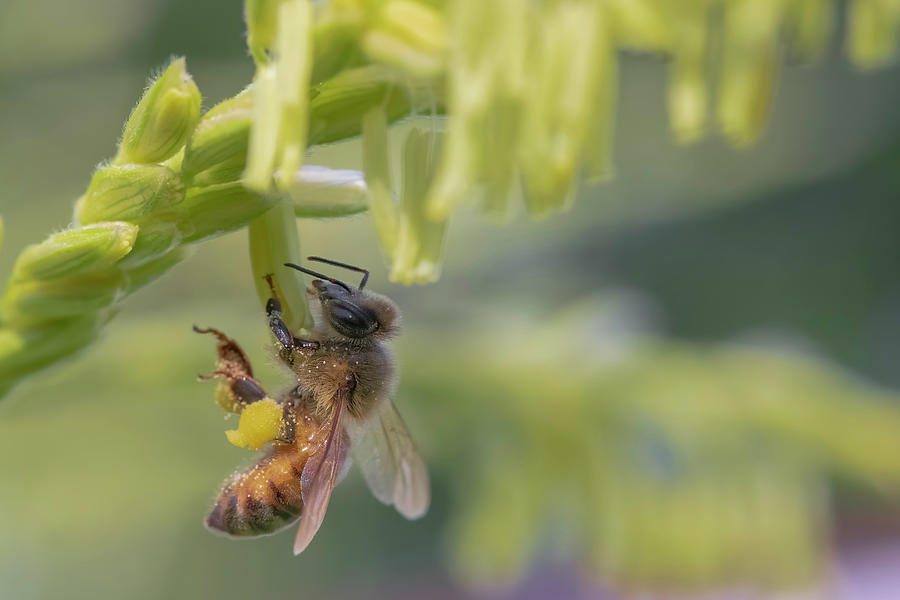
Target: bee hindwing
383, 448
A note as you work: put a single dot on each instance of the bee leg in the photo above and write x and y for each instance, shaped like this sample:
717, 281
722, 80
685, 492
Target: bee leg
246, 390
283, 335
307, 344
281, 332
288, 429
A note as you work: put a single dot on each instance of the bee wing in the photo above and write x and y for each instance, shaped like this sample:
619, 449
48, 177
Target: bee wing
320, 475
383, 448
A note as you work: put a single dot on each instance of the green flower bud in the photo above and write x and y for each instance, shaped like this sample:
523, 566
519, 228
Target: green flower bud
810, 23
164, 118
688, 92
153, 240
273, 241
409, 35
76, 251
281, 101
323, 192
377, 167
213, 210
149, 271
420, 241
489, 73
217, 150
334, 46
31, 301
129, 193
748, 69
640, 24
339, 104
872, 32
23, 351
262, 27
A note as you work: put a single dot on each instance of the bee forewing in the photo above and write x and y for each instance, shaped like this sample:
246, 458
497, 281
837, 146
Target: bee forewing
383, 448
319, 477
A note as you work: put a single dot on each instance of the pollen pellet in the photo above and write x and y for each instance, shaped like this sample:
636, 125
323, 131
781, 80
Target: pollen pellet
260, 423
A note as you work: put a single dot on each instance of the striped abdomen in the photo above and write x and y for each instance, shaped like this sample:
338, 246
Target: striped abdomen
263, 498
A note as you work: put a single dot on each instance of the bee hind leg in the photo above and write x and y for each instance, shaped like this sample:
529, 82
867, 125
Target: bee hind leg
238, 387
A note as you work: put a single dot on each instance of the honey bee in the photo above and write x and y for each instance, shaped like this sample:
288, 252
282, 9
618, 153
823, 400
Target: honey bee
342, 401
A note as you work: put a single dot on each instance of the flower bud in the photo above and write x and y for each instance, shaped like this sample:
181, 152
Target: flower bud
262, 26
809, 25
128, 193
273, 241
419, 250
153, 240
216, 209
281, 101
23, 351
138, 277
75, 251
408, 35
748, 69
339, 104
34, 300
163, 119
376, 162
872, 33
323, 192
217, 150
688, 90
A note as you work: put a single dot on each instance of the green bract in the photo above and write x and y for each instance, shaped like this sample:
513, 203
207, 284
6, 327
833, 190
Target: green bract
129, 193
217, 150
164, 118
89, 249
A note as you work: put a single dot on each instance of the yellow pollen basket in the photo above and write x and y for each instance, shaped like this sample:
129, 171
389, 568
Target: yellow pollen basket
260, 423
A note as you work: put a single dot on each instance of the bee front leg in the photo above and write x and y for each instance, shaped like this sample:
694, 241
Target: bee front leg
281, 332
283, 335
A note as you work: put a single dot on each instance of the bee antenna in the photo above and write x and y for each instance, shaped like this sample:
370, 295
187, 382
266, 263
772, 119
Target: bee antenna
320, 276
335, 263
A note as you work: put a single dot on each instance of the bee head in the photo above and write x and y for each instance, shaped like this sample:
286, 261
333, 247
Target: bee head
350, 311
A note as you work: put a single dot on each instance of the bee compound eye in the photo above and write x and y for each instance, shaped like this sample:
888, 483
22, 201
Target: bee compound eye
347, 317
350, 319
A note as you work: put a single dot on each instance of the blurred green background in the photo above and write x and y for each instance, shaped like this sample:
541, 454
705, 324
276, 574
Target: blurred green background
727, 321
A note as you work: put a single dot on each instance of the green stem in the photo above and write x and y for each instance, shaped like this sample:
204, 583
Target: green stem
274, 241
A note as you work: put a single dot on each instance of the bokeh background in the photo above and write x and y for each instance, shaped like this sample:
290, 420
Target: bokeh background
690, 381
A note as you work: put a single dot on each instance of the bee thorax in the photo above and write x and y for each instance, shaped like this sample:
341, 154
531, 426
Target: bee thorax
367, 376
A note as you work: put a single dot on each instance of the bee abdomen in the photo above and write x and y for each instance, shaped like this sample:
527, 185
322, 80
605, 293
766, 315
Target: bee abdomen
262, 499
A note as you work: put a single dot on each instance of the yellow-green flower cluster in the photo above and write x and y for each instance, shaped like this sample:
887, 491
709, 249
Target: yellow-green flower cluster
529, 90
175, 180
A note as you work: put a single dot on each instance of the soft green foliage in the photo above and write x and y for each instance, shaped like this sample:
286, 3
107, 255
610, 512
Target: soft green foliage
662, 465
652, 463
